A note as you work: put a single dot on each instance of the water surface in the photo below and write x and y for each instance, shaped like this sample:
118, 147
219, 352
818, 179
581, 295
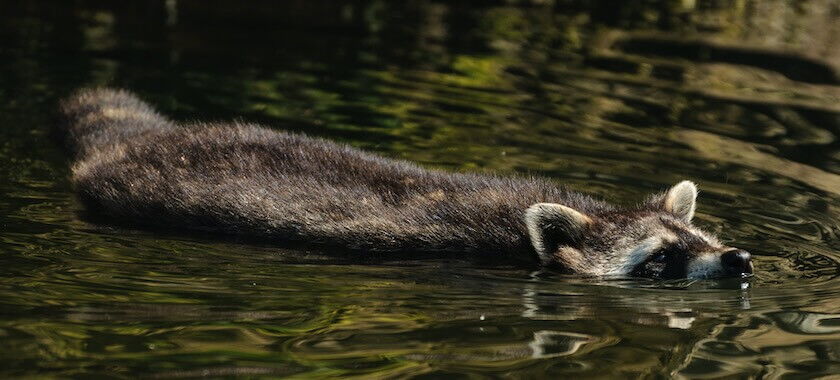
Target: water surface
613, 99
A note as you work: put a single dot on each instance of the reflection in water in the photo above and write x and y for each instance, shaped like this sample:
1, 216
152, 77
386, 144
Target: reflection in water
808, 323
548, 343
729, 150
614, 98
783, 343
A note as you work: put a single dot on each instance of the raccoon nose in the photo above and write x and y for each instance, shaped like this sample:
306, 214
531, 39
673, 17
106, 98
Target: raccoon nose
737, 261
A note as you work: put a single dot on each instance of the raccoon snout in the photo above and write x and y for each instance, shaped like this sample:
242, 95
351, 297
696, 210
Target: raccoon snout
737, 262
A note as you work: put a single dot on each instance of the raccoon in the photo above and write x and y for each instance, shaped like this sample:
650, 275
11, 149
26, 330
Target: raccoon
136, 166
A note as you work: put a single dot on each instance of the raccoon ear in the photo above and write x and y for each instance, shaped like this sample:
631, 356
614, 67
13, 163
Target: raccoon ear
551, 225
681, 200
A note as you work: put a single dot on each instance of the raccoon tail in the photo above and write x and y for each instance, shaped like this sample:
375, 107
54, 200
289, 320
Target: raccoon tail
96, 118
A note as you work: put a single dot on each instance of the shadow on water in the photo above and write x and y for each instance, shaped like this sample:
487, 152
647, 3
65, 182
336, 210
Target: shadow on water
615, 99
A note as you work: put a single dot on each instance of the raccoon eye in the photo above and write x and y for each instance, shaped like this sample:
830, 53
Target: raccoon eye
659, 256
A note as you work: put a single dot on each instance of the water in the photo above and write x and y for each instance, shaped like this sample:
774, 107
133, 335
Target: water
613, 98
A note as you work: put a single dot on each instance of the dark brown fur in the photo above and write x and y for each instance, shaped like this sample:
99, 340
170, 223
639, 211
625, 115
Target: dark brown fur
243, 179
134, 165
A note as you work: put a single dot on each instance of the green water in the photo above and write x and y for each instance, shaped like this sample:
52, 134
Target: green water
614, 98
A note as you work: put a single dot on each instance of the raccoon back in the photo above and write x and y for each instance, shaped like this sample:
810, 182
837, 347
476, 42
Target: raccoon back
248, 180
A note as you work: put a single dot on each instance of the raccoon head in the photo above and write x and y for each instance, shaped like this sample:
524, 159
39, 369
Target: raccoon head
656, 240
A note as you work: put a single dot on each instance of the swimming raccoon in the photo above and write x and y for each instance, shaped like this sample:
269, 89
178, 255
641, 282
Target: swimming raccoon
135, 165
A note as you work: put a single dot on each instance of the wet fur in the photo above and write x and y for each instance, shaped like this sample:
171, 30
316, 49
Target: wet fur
135, 165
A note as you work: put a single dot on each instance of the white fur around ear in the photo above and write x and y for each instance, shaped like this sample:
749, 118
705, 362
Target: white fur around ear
551, 224
681, 200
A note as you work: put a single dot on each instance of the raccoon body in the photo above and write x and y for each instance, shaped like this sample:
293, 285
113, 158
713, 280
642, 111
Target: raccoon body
137, 166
